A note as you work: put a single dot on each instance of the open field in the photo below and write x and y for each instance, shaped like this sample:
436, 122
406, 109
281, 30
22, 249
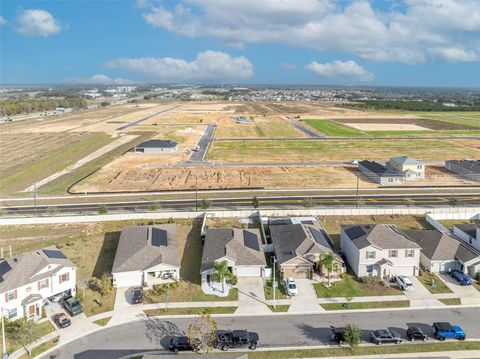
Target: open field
387, 127
268, 126
329, 128
421, 122
313, 151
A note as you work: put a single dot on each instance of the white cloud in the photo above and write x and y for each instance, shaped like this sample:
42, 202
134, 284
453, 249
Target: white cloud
37, 22
97, 80
208, 66
288, 66
451, 54
3, 21
402, 34
341, 70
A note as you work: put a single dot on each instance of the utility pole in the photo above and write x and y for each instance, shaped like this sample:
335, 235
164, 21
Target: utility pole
35, 198
358, 184
274, 283
196, 193
4, 346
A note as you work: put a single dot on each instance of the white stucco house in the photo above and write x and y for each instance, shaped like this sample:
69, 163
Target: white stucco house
379, 250
29, 279
146, 256
241, 248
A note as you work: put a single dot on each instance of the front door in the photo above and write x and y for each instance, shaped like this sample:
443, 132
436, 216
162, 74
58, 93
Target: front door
31, 310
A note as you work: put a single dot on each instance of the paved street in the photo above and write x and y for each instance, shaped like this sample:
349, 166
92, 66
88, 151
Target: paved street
274, 331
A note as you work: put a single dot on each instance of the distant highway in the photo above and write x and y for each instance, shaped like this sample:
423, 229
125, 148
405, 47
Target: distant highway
134, 123
273, 202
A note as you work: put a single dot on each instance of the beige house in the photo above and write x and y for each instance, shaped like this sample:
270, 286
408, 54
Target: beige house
411, 168
300, 246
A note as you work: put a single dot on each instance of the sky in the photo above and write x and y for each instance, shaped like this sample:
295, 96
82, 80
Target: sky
424, 43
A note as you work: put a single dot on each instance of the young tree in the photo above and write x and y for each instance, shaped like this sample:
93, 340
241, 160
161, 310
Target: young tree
221, 272
255, 202
327, 262
205, 204
106, 285
102, 209
23, 332
308, 202
201, 333
453, 201
352, 335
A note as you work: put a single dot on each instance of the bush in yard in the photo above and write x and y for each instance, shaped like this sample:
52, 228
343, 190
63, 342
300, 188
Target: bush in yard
352, 335
102, 209
371, 280
232, 280
106, 285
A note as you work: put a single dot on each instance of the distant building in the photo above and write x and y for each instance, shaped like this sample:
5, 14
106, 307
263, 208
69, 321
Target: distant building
157, 146
470, 169
379, 173
412, 169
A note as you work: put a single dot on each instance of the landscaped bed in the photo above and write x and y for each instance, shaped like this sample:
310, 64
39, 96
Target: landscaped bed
185, 292
352, 287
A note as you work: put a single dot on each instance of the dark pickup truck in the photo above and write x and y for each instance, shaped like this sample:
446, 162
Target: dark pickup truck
72, 306
226, 339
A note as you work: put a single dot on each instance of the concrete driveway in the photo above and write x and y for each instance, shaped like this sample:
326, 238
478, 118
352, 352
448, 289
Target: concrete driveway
420, 296
306, 300
123, 310
467, 293
251, 296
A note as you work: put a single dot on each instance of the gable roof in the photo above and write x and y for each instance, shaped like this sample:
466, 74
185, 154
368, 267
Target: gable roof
405, 160
143, 247
468, 228
472, 166
157, 144
299, 239
241, 245
23, 268
384, 236
379, 169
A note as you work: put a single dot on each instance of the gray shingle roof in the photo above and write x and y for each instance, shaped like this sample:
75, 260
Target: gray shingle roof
385, 236
136, 252
237, 244
157, 144
469, 228
405, 160
297, 240
379, 169
22, 269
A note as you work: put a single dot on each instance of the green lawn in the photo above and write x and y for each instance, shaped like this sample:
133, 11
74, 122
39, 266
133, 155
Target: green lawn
366, 350
329, 128
351, 287
451, 301
279, 308
43, 328
189, 311
102, 322
366, 305
186, 292
42, 348
438, 286
279, 290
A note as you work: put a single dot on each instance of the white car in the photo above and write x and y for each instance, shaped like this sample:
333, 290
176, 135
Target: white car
291, 287
404, 282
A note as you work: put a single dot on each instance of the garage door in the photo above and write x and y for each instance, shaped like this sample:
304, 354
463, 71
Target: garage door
297, 272
127, 279
250, 271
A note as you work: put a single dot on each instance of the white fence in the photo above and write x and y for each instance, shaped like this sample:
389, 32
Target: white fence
438, 213
433, 218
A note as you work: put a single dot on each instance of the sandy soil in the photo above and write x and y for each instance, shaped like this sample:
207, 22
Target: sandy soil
386, 127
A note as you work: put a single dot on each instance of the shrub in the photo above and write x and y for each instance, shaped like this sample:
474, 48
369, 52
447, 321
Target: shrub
232, 280
371, 280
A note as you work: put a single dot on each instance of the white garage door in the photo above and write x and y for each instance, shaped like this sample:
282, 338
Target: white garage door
127, 279
249, 271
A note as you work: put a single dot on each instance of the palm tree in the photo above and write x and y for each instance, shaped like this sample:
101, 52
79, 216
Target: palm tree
221, 272
327, 262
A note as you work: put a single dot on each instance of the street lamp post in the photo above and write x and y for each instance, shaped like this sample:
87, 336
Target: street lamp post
358, 185
274, 283
196, 193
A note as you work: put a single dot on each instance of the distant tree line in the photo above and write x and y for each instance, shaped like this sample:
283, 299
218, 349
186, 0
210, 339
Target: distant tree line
410, 106
13, 107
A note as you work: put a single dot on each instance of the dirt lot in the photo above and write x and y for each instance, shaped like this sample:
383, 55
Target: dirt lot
262, 126
422, 122
386, 127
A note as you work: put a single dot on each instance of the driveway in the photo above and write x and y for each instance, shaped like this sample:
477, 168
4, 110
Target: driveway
123, 311
306, 300
251, 296
467, 293
420, 296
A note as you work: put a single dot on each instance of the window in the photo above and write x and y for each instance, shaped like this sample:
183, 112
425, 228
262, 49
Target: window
410, 253
43, 284
370, 268
12, 313
11, 295
370, 254
64, 277
392, 253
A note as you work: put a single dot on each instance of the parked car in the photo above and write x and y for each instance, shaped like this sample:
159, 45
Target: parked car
444, 330
72, 306
226, 339
196, 149
137, 295
404, 282
381, 336
291, 287
460, 277
337, 335
180, 343
415, 333
61, 320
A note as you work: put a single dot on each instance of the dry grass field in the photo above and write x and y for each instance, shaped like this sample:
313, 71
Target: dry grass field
262, 127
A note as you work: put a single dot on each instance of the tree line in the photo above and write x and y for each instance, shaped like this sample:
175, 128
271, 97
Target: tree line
410, 106
13, 107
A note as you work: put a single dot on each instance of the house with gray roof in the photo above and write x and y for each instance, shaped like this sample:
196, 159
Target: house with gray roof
379, 250
469, 233
442, 253
241, 248
468, 169
27, 280
300, 246
147, 255
379, 173
156, 146
412, 169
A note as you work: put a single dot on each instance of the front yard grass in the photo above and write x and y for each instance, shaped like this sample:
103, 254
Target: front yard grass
102, 322
366, 305
43, 329
41, 348
349, 286
451, 301
189, 311
279, 290
436, 287
280, 308
186, 292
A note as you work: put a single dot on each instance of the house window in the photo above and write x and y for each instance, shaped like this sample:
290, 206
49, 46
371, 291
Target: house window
370, 269
11, 295
392, 253
370, 254
43, 284
64, 277
409, 253
12, 313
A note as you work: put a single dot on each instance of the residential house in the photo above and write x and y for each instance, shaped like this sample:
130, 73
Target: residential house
379, 249
241, 248
300, 246
412, 169
29, 279
378, 173
469, 169
443, 253
469, 233
146, 256
156, 146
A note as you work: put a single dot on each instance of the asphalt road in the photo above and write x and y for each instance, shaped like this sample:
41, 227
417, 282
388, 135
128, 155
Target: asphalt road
304, 129
205, 140
134, 123
279, 202
274, 331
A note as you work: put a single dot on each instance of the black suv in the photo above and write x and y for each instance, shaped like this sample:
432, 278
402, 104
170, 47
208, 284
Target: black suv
180, 344
227, 339
415, 333
137, 295
337, 335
